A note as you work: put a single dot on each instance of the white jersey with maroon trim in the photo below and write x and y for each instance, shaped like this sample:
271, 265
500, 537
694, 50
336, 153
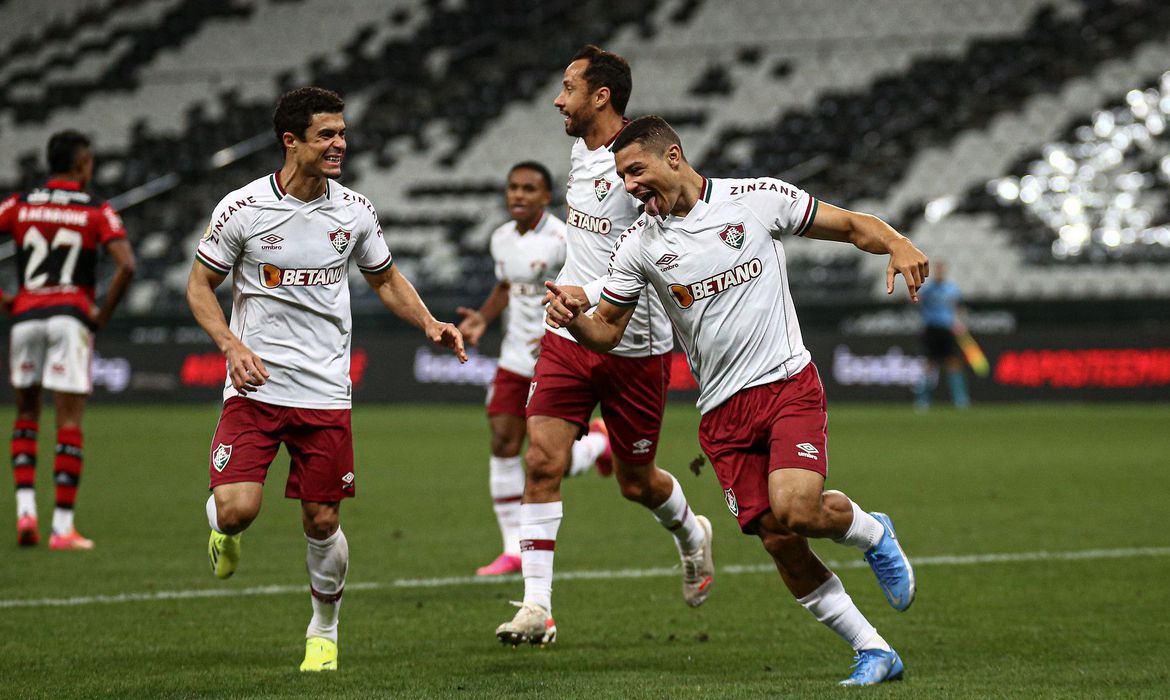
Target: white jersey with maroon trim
290, 283
599, 210
525, 261
721, 274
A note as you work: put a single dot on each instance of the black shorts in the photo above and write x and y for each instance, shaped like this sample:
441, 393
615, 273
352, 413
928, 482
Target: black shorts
939, 343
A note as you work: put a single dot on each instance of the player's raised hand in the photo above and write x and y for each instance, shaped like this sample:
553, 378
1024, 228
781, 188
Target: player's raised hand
563, 308
911, 263
472, 326
245, 368
447, 335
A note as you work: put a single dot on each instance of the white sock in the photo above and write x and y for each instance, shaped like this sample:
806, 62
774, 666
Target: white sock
26, 502
833, 607
676, 516
213, 514
538, 538
586, 451
507, 488
62, 521
327, 561
864, 532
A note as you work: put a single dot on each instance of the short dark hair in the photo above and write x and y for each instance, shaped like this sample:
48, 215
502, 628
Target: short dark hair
64, 148
608, 70
539, 168
652, 131
295, 110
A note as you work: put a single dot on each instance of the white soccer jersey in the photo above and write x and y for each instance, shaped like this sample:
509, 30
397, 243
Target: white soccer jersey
525, 261
290, 283
720, 272
599, 210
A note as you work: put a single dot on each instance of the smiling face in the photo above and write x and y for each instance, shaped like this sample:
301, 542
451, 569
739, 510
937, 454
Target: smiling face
576, 102
652, 177
526, 197
323, 149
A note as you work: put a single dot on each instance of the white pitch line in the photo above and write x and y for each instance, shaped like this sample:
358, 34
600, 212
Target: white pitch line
943, 560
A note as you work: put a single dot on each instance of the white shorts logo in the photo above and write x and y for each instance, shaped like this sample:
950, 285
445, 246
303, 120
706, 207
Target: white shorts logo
347, 480
221, 456
642, 446
732, 504
807, 449
531, 391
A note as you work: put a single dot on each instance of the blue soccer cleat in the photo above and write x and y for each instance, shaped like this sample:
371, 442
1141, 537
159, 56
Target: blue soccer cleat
892, 567
873, 666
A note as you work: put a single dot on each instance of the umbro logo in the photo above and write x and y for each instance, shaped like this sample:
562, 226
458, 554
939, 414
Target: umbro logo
642, 446
666, 262
807, 449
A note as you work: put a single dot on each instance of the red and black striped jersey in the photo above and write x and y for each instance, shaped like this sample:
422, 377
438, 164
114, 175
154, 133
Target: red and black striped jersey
57, 229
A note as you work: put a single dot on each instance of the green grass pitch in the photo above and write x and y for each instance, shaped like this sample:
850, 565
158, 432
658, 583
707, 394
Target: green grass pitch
993, 480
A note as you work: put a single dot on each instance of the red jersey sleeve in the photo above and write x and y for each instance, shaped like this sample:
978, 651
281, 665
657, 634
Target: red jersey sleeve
8, 214
109, 224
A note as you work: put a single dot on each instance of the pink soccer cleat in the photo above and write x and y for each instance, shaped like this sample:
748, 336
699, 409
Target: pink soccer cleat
27, 534
604, 462
504, 564
73, 540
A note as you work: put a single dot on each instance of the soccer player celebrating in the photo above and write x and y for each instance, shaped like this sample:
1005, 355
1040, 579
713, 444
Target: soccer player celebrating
710, 251
288, 239
527, 250
570, 380
57, 228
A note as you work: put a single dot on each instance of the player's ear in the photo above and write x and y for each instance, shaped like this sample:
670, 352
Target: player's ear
601, 98
289, 139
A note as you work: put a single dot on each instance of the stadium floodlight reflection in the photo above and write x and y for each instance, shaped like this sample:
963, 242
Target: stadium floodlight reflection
1102, 191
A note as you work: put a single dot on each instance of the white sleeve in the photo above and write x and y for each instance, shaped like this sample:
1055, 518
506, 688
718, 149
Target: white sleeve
370, 250
593, 290
784, 208
223, 240
625, 281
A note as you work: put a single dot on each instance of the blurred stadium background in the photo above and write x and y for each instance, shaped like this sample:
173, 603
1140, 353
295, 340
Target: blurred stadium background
1023, 142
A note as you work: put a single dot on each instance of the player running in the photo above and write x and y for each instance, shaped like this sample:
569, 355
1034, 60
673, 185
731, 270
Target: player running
571, 380
710, 251
288, 239
527, 250
58, 228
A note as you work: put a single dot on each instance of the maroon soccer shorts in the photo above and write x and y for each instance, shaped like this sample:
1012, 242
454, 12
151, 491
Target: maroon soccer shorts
508, 394
570, 380
761, 429
319, 442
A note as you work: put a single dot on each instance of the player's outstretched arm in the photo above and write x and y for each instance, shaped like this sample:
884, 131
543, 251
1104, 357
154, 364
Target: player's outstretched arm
476, 321
245, 367
123, 256
873, 235
600, 332
400, 296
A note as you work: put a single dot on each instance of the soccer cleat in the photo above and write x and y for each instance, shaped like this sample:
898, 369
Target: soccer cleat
72, 540
531, 624
873, 666
320, 655
604, 461
223, 551
892, 567
503, 564
698, 568
27, 534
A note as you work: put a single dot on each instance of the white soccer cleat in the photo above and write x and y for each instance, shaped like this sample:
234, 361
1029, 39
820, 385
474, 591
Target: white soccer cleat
698, 568
531, 624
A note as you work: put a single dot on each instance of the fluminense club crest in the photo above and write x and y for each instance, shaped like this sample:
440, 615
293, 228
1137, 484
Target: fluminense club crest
601, 188
340, 239
732, 235
732, 503
221, 456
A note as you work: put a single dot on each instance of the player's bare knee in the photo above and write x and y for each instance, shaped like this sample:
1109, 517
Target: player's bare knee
321, 522
234, 517
506, 445
797, 518
636, 486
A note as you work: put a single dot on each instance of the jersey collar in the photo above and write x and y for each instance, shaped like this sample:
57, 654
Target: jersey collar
279, 191
625, 123
63, 185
